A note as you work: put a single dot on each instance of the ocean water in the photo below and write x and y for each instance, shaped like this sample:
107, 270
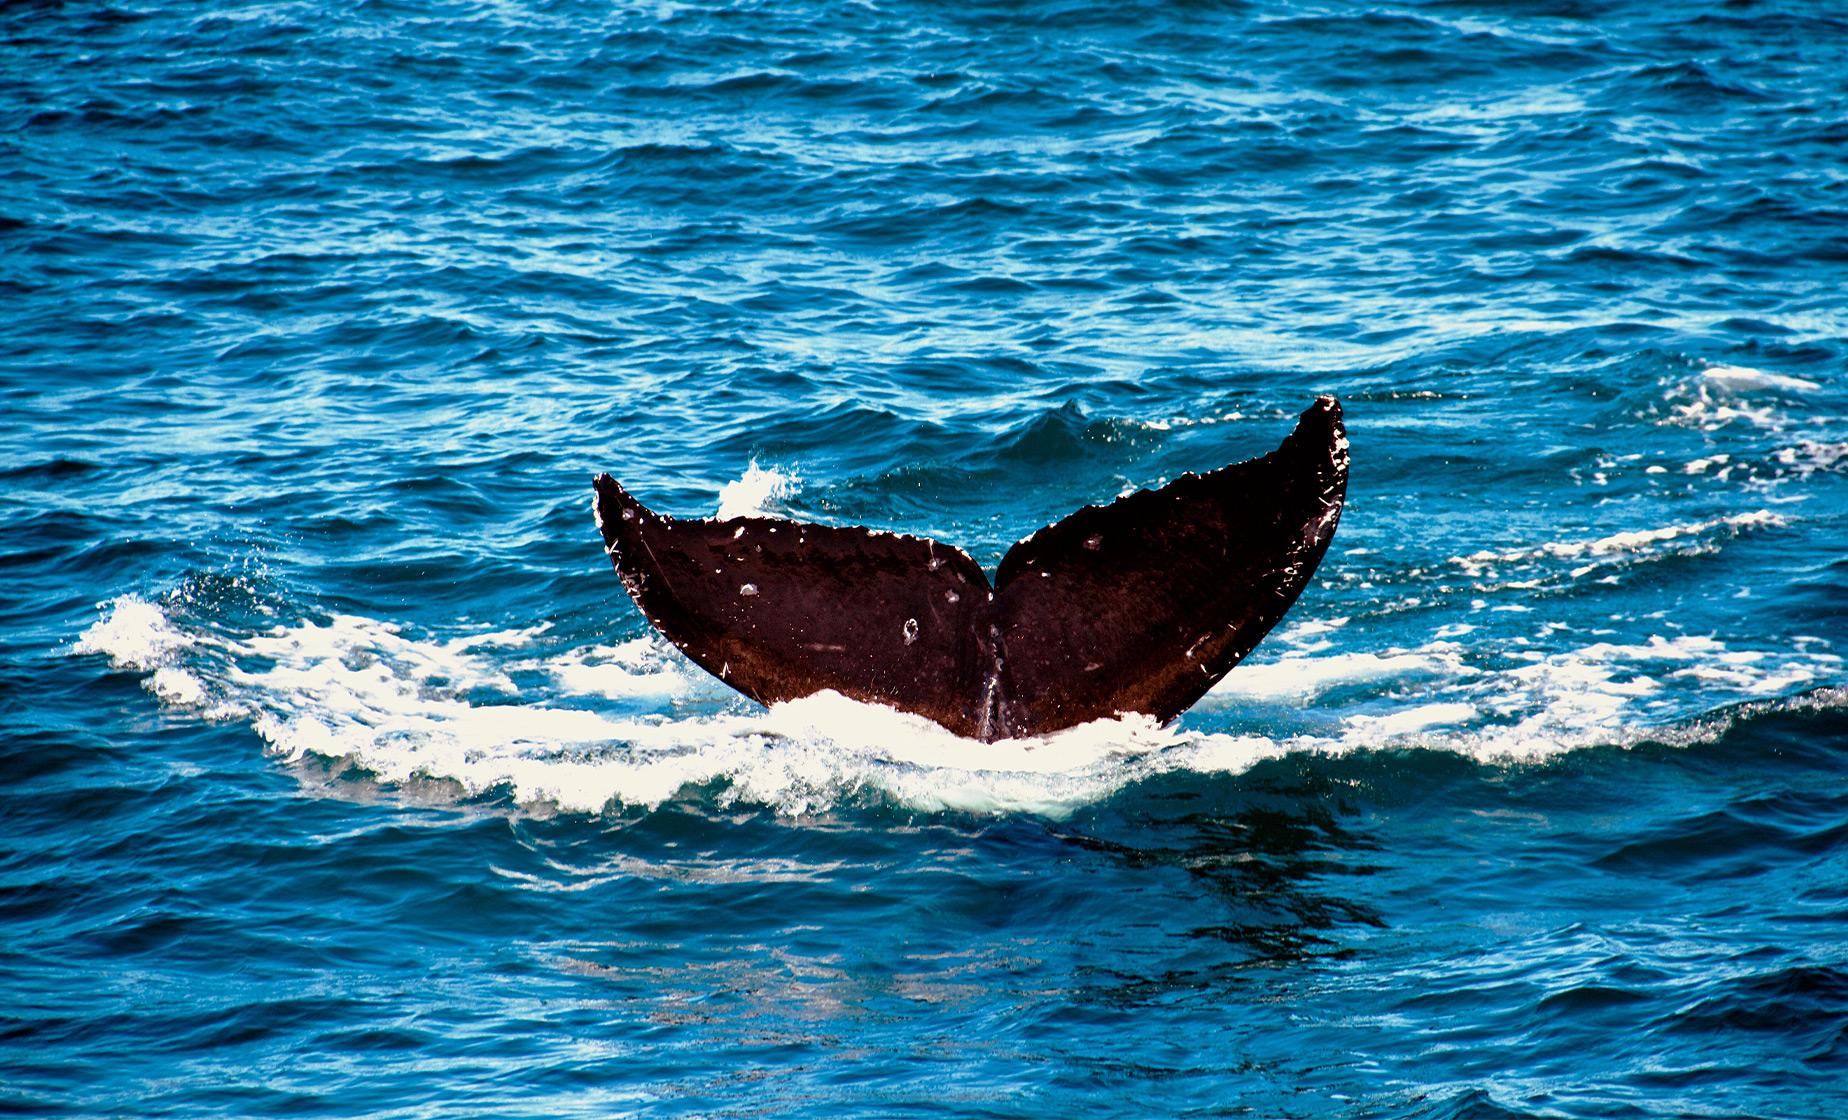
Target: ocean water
341, 778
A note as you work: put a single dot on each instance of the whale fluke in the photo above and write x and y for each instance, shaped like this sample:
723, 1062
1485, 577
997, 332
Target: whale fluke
1137, 606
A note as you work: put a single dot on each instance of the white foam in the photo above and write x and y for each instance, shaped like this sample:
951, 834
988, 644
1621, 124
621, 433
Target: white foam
1423, 717
1808, 456
640, 667
1612, 692
177, 687
1529, 705
1719, 395
133, 634
756, 493
1746, 379
1310, 631
1630, 545
359, 689
365, 645
412, 708
499, 639
1302, 678
1173, 422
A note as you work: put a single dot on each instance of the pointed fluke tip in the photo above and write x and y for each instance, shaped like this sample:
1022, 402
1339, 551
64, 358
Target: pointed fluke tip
612, 505
1319, 428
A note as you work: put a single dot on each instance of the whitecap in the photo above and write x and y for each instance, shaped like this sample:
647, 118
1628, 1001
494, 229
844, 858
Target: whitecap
1745, 379
1719, 395
756, 493
133, 634
1630, 545
1303, 678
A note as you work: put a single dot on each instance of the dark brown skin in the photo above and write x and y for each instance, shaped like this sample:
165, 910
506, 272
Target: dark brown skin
1138, 606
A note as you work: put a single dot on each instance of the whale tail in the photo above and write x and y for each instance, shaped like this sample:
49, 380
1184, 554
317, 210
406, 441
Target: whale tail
1136, 606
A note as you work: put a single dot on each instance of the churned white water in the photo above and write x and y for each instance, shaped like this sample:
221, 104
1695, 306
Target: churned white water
634, 723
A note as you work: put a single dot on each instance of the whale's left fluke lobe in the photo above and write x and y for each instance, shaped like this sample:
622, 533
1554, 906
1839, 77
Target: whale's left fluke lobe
781, 609
1137, 606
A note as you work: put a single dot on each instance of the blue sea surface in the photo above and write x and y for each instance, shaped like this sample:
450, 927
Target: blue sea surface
342, 778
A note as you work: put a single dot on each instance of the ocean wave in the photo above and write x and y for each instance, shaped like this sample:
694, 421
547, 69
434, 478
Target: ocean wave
1721, 395
411, 708
1623, 548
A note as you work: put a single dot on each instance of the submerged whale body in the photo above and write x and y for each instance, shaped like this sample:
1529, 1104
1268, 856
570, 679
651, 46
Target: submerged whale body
1138, 606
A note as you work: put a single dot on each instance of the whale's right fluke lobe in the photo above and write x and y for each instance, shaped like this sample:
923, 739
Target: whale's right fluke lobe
1144, 604
1137, 606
